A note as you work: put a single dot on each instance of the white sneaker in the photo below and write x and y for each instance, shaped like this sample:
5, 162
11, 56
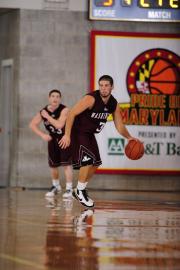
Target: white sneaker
82, 197
67, 193
54, 190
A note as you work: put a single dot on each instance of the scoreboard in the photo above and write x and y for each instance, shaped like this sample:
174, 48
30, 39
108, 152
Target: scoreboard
135, 10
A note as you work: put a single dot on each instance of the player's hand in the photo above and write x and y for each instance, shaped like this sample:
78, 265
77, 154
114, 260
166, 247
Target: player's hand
44, 114
46, 137
64, 142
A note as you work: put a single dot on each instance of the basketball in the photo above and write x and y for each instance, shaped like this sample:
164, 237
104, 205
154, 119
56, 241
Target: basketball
164, 78
134, 149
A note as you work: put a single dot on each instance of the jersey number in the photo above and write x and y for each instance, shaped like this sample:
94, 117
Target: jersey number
101, 125
57, 131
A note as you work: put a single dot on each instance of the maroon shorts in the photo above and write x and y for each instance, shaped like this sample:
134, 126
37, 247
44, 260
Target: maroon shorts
84, 150
57, 156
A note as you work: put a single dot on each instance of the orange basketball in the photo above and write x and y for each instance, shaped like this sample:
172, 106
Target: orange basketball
164, 78
134, 149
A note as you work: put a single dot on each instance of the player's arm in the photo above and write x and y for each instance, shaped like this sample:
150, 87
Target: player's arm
34, 125
57, 123
117, 118
85, 103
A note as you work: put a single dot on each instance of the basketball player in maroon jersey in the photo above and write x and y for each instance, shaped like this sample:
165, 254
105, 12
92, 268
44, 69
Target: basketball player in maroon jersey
85, 119
54, 117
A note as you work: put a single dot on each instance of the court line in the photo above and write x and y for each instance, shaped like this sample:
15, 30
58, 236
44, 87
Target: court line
21, 261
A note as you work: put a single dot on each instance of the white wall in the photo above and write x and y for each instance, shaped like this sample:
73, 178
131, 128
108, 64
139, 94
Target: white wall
73, 5
23, 4
78, 5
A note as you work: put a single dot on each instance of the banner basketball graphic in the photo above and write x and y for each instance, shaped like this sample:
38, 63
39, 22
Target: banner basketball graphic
155, 71
153, 83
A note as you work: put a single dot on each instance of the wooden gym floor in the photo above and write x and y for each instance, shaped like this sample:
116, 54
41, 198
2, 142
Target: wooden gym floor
125, 231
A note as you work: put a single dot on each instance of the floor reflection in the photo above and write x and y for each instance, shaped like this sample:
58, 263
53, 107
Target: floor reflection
69, 243
36, 233
110, 238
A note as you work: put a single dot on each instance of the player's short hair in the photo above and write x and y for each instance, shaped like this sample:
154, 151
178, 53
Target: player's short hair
106, 78
54, 91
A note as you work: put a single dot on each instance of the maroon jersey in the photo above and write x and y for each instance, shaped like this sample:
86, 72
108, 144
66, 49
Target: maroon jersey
54, 132
93, 120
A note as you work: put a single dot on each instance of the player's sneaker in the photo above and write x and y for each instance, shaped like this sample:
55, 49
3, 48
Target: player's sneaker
82, 197
67, 194
54, 190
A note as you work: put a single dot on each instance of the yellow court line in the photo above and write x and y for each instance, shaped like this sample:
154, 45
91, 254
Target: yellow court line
21, 261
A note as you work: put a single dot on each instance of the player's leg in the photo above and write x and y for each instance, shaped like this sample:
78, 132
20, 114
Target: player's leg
65, 159
86, 158
53, 161
69, 181
55, 174
55, 182
91, 172
80, 193
55, 177
85, 173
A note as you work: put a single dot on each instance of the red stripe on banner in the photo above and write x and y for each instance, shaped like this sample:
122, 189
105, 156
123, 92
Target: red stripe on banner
132, 34
92, 61
140, 171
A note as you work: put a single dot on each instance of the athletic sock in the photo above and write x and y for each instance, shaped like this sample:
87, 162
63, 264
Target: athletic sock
68, 186
55, 182
81, 185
